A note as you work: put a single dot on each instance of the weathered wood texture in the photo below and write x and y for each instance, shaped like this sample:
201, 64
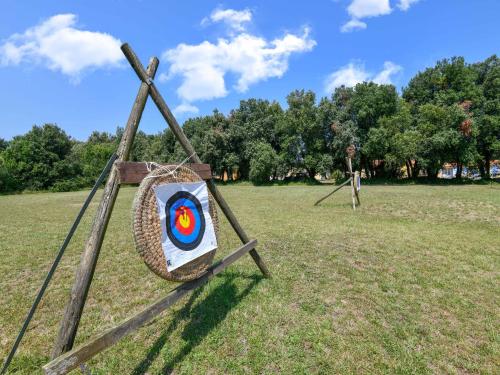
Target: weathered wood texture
355, 183
337, 188
134, 172
188, 148
353, 195
73, 358
85, 271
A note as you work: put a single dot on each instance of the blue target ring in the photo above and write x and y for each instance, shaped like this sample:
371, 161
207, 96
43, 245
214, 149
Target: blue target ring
185, 220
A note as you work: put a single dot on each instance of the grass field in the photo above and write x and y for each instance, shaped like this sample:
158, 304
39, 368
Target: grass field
409, 283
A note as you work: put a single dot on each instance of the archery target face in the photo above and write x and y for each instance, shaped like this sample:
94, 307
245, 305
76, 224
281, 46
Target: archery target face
187, 228
185, 222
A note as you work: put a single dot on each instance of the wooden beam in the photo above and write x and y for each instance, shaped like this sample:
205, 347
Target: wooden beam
355, 183
85, 271
353, 195
72, 359
134, 172
188, 148
337, 188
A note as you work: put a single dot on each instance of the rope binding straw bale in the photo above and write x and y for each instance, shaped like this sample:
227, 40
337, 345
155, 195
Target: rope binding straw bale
146, 223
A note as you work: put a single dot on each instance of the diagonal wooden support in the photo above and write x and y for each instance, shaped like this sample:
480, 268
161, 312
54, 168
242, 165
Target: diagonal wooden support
73, 358
337, 188
85, 272
188, 148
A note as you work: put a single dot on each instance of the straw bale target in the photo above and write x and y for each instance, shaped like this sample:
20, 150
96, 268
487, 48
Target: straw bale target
147, 225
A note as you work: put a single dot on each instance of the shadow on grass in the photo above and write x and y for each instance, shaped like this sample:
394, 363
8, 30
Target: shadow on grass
202, 318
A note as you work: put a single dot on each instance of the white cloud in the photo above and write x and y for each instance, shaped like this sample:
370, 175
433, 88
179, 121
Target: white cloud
354, 73
353, 25
384, 76
204, 67
348, 76
406, 4
359, 9
184, 108
57, 44
235, 19
368, 8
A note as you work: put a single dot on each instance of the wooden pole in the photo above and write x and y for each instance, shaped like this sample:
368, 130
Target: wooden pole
188, 148
349, 166
356, 192
85, 272
339, 187
70, 360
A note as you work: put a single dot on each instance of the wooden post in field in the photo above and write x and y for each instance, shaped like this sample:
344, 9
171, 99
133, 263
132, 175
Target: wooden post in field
85, 272
357, 180
353, 195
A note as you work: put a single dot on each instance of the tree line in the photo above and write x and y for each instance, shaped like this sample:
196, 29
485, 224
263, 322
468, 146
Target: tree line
449, 113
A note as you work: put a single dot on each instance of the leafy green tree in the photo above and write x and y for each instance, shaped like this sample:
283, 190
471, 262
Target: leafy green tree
97, 137
162, 146
263, 164
210, 138
301, 132
345, 135
255, 120
486, 112
439, 127
369, 103
92, 156
37, 159
3, 144
395, 141
356, 111
450, 81
6, 182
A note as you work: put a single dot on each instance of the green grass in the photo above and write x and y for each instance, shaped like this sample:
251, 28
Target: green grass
409, 283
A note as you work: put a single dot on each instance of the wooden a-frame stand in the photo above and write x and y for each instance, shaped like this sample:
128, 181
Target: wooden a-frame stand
352, 181
65, 358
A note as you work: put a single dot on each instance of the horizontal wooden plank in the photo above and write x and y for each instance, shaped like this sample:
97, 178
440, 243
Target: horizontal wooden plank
72, 359
134, 172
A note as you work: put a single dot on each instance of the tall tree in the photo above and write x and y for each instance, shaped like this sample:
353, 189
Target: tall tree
254, 121
302, 132
210, 138
450, 81
359, 109
486, 112
396, 141
3, 144
441, 138
37, 159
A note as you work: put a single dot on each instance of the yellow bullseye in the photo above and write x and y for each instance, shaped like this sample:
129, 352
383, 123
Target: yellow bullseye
184, 220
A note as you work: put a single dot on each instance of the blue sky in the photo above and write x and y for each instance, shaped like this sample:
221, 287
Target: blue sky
60, 60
